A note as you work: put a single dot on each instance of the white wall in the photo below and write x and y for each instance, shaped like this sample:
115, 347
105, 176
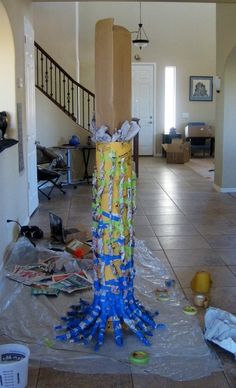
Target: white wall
180, 34
13, 189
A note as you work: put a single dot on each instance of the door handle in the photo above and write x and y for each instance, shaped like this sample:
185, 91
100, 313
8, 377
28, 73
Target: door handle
149, 122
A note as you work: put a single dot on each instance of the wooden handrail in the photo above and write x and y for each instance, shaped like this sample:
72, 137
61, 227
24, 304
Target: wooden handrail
62, 70
136, 153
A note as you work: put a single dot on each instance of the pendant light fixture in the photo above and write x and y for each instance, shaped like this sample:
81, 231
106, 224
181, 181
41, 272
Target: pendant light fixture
141, 39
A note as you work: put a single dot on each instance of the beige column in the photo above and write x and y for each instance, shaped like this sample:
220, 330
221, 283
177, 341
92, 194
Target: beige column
112, 74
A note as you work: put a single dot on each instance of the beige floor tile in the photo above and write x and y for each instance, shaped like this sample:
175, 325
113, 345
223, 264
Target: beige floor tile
82, 218
55, 379
172, 188
139, 211
183, 242
141, 220
233, 269
168, 219
80, 208
203, 219
142, 231
198, 195
152, 243
196, 209
175, 230
201, 202
43, 214
160, 202
216, 229
228, 256
201, 187
207, 199
231, 217
146, 183
193, 257
151, 195
57, 202
216, 380
156, 211
224, 298
149, 192
34, 367
221, 242
228, 361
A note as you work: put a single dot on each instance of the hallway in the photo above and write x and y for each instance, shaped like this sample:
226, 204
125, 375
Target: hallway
184, 222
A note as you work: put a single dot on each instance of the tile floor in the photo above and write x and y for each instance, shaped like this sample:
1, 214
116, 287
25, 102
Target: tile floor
185, 222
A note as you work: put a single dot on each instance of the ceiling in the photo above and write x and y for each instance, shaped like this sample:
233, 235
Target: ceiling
143, 1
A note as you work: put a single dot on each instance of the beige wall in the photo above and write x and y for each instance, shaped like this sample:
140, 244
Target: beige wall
13, 191
182, 35
7, 68
56, 31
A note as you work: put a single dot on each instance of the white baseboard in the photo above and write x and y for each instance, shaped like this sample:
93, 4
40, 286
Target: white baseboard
225, 189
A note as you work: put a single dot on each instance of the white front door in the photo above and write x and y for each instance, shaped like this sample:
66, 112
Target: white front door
30, 117
143, 105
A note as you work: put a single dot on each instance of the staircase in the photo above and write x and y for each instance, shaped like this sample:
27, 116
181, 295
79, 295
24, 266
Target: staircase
72, 98
54, 82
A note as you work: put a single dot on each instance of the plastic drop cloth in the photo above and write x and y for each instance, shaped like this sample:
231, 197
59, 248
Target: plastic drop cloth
178, 352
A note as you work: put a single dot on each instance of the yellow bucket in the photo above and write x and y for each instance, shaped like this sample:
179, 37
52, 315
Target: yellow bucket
201, 282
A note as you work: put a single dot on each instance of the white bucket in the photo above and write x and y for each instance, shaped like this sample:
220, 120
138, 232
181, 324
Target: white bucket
14, 360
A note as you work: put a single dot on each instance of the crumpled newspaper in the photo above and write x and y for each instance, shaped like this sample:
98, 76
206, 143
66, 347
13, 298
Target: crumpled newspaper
220, 328
127, 132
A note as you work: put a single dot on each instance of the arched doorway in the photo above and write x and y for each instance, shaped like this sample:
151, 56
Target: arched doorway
227, 135
9, 157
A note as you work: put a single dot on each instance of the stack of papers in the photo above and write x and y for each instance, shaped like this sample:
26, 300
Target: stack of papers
43, 281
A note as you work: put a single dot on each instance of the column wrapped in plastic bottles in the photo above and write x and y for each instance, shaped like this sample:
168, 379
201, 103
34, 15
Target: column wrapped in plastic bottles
113, 208
113, 200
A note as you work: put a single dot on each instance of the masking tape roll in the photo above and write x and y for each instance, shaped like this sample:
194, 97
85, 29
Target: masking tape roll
138, 357
163, 296
190, 310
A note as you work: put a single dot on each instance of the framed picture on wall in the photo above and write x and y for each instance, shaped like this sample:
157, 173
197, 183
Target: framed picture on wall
200, 88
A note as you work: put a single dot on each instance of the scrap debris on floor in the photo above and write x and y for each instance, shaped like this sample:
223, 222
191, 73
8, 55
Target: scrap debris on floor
178, 351
55, 274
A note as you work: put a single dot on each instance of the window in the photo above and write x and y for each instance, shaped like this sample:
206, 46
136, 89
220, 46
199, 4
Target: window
170, 97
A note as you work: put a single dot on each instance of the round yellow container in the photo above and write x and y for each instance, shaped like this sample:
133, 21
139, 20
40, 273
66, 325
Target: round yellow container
201, 282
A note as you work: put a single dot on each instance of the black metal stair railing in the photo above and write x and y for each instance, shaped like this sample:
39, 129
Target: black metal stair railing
71, 97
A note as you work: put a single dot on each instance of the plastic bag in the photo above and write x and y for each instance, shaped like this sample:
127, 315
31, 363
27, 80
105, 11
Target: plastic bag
220, 328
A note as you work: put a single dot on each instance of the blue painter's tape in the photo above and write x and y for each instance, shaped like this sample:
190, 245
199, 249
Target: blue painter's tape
112, 217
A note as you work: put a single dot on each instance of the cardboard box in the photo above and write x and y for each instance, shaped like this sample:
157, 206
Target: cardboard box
78, 248
198, 131
177, 152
